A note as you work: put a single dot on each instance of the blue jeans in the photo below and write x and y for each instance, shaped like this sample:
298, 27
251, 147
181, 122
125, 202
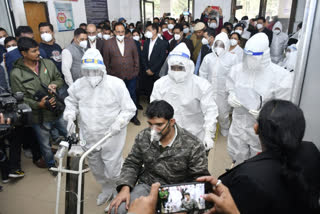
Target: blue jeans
43, 135
131, 86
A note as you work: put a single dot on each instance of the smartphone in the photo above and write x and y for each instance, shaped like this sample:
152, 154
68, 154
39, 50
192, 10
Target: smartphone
185, 198
167, 14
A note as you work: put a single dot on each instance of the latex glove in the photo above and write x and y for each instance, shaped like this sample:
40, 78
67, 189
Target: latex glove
71, 127
208, 141
115, 128
254, 113
233, 101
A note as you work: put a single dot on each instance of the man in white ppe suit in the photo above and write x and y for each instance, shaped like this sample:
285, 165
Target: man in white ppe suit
279, 43
250, 85
191, 96
215, 68
290, 60
101, 104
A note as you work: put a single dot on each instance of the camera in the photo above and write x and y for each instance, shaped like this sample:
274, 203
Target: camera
13, 108
58, 108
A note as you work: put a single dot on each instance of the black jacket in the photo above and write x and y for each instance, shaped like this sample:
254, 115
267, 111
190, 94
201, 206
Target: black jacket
188, 42
205, 49
257, 185
268, 32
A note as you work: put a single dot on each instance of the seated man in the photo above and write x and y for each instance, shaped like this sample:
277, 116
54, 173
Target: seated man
164, 153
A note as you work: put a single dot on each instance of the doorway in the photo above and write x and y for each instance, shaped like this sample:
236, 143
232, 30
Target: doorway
36, 13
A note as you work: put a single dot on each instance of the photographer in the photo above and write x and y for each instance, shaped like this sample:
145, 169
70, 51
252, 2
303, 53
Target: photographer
39, 79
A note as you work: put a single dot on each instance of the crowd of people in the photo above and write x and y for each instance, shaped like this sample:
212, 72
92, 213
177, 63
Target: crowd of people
195, 75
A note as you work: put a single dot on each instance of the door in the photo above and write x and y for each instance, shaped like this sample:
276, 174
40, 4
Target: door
147, 10
36, 13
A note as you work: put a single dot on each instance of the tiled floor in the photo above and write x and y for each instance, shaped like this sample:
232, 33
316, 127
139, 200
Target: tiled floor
36, 192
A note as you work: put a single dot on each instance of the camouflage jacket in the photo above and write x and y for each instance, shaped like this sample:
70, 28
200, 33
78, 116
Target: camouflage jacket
184, 161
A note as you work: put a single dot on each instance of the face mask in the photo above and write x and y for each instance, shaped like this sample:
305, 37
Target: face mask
164, 29
238, 31
11, 48
277, 32
252, 62
137, 38
2, 40
259, 26
99, 35
218, 50
233, 42
170, 26
204, 41
177, 37
106, 36
92, 38
191, 30
177, 76
120, 38
131, 29
159, 35
47, 37
94, 81
186, 30
83, 44
148, 34
155, 135
213, 25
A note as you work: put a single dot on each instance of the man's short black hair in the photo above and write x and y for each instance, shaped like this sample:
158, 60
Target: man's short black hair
238, 35
173, 19
156, 18
106, 27
186, 193
79, 31
23, 29
8, 39
178, 26
83, 25
98, 27
160, 109
127, 31
25, 43
155, 26
131, 25
262, 18
244, 18
2, 29
119, 24
211, 32
186, 24
46, 24
240, 24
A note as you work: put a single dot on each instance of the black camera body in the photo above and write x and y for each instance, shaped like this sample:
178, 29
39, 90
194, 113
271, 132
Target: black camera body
13, 108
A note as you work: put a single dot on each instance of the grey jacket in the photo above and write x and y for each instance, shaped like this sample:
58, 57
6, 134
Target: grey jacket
184, 161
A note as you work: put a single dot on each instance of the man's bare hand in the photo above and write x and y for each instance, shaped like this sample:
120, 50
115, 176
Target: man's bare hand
53, 87
149, 72
220, 11
123, 196
146, 205
3, 121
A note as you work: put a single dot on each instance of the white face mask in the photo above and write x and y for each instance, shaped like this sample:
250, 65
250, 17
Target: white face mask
233, 42
94, 81
137, 38
11, 48
99, 35
186, 30
47, 37
252, 62
238, 31
204, 41
148, 34
213, 25
120, 38
177, 37
154, 135
218, 50
259, 26
92, 38
277, 31
131, 29
170, 26
191, 30
177, 76
106, 36
2, 40
164, 29
83, 44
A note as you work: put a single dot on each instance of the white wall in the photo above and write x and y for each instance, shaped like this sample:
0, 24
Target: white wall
299, 13
62, 38
200, 5
129, 9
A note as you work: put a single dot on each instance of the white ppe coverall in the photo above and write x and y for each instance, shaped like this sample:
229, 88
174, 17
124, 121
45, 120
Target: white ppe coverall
238, 51
215, 69
101, 104
191, 97
290, 60
279, 43
250, 85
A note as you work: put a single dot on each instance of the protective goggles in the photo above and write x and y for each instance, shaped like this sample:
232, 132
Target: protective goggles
251, 53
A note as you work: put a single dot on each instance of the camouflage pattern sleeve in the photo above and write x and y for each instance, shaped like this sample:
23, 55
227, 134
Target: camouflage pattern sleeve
198, 163
132, 165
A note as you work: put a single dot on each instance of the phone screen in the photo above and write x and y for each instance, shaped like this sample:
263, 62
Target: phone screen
182, 198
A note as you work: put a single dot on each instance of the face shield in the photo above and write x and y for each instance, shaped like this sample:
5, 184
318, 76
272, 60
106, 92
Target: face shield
252, 60
93, 71
177, 68
219, 48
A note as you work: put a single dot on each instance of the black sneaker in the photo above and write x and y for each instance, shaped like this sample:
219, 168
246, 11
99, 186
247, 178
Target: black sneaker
135, 121
16, 174
53, 173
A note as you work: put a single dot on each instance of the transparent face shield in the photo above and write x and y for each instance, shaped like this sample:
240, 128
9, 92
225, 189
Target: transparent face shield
177, 68
91, 72
252, 60
218, 47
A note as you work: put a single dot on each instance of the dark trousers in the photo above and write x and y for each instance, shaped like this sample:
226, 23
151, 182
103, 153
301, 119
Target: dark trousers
132, 86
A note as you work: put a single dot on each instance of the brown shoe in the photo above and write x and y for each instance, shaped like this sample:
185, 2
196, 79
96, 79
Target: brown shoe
40, 163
